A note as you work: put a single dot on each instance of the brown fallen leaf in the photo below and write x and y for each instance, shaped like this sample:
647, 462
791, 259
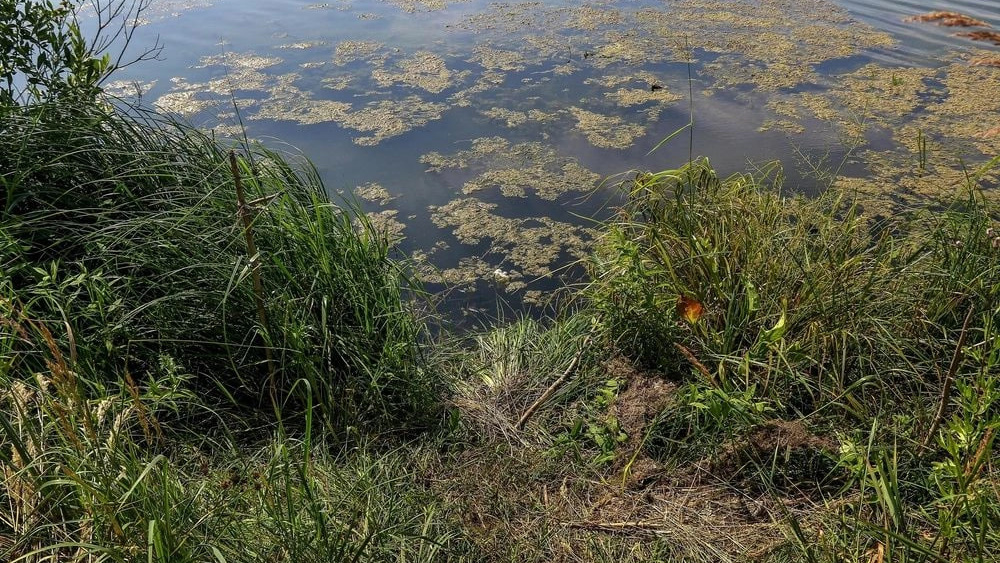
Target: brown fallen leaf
877, 555
948, 19
990, 36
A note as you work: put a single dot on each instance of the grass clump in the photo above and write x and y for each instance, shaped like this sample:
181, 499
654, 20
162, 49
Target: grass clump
126, 229
94, 470
806, 296
801, 325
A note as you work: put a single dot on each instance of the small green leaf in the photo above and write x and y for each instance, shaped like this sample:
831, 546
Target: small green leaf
751, 295
776, 332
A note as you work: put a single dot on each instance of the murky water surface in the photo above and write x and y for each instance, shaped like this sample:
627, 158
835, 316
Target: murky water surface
482, 135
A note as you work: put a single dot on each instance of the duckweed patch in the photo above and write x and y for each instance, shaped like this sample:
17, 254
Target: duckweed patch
591, 17
237, 72
347, 52
337, 82
128, 88
374, 192
241, 67
512, 118
287, 102
511, 18
516, 169
487, 81
386, 225
411, 6
382, 119
302, 45
389, 118
163, 9
872, 96
530, 248
606, 131
772, 44
185, 102
628, 97
637, 89
495, 59
423, 70
469, 271
933, 114
629, 48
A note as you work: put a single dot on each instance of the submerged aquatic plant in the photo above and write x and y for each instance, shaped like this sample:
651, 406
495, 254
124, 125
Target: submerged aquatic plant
948, 19
991, 36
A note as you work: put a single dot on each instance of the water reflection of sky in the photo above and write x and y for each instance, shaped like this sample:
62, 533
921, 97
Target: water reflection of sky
378, 91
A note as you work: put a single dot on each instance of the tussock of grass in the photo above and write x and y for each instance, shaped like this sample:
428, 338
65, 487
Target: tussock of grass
792, 287
811, 312
125, 228
509, 368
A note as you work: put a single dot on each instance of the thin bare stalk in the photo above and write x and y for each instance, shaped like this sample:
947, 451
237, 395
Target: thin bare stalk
246, 217
555, 385
956, 360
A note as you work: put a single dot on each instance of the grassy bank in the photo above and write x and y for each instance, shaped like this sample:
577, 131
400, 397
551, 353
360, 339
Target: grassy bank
745, 376
127, 236
838, 368
204, 358
138, 327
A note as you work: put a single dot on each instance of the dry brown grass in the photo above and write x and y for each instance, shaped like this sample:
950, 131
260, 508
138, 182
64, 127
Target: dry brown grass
520, 499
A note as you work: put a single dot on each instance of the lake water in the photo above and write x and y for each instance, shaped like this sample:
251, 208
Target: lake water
484, 136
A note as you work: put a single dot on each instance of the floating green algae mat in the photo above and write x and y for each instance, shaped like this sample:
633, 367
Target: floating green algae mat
525, 108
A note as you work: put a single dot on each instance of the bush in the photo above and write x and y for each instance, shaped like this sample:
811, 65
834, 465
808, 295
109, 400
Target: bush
45, 57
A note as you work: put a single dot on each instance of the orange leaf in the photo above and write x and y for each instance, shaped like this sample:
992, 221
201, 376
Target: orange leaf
689, 308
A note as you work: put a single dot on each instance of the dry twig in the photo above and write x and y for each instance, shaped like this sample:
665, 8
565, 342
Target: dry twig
555, 385
956, 361
697, 364
637, 527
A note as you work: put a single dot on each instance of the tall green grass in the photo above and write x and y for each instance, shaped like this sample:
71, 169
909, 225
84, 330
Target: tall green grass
91, 472
126, 228
804, 298
879, 334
